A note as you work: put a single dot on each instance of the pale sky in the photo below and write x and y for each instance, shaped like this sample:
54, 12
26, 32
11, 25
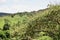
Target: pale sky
12, 6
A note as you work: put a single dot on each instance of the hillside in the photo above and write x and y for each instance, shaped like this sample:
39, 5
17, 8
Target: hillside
4, 14
36, 25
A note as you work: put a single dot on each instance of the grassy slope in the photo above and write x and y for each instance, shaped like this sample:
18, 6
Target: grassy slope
20, 25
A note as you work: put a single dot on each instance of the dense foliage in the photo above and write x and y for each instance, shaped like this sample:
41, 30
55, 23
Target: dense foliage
36, 25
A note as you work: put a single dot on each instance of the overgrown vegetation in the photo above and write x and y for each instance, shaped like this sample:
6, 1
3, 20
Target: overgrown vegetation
37, 25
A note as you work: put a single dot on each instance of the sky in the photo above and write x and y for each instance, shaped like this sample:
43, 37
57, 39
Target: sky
13, 6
